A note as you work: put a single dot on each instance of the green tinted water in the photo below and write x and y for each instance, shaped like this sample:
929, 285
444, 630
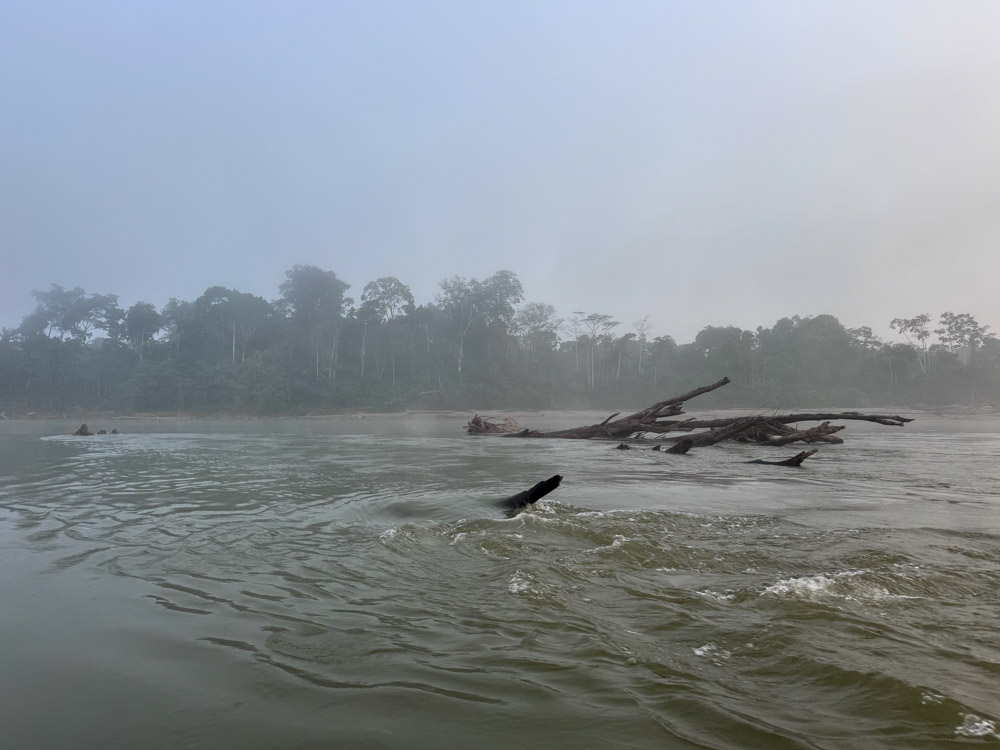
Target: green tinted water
353, 583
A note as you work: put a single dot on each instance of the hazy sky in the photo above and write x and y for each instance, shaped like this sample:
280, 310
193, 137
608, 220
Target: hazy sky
708, 163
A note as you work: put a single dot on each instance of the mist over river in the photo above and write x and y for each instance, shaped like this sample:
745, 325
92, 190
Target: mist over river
353, 583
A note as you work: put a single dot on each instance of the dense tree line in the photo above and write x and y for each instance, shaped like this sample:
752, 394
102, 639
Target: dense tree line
478, 344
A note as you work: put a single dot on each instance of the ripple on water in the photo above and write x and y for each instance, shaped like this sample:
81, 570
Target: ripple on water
678, 602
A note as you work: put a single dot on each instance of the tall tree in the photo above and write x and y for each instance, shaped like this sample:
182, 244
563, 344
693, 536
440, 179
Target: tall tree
473, 302
537, 330
142, 322
382, 301
599, 327
74, 313
915, 329
314, 299
962, 331
641, 327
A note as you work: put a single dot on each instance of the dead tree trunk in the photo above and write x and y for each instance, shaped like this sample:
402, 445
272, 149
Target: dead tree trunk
795, 460
758, 429
891, 421
681, 446
822, 433
616, 429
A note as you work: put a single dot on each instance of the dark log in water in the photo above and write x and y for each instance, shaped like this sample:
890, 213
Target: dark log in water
533, 495
645, 420
795, 460
759, 429
785, 419
681, 446
83, 430
821, 433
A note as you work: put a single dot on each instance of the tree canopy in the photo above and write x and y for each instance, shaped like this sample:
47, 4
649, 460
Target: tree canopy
478, 344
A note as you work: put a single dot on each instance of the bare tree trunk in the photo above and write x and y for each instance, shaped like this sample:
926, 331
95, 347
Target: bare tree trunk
642, 421
364, 343
334, 351
758, 429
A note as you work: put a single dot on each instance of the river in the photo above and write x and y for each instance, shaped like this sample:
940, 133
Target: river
353, 583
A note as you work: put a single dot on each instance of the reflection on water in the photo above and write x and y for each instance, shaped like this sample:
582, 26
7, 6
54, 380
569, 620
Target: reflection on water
353, 583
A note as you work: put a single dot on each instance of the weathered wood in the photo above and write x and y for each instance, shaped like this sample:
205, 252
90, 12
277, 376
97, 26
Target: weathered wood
533, 495
727, 432
823, 432
661, 408
891, 421
478, 425
681, 446
645, 420
759, 429
795, 460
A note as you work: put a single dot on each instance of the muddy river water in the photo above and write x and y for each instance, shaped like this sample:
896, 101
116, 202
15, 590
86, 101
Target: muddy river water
353, 583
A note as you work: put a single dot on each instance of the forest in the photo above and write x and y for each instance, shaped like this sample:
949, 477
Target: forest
478, 344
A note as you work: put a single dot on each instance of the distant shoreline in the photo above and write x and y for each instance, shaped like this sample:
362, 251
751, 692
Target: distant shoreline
109, 416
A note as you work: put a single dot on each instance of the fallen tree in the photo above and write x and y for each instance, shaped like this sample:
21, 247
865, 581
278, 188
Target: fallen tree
760, 431
795, 460
653, 423
646, 420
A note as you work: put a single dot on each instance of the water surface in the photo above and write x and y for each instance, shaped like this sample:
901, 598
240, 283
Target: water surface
353, 582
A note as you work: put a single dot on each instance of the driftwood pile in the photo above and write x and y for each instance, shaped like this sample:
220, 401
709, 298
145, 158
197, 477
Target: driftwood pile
654, 423
478, 425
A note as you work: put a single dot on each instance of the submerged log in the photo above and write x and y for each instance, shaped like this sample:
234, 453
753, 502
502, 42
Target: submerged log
823, 432
885, 419
645, 420
759, 431
681, 446
652, 421
533, 495
795, 460
478, 425
731, 431
83, 430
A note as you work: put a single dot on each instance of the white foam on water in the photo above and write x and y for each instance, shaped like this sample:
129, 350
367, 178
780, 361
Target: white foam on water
710, 649
974, 726
832, 586
388, 535
808, 587
616, 543
717, 596
521, 583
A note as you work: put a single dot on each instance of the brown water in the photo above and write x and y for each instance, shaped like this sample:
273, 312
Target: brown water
352, 583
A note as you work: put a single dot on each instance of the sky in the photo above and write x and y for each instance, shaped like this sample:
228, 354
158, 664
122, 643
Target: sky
702, 162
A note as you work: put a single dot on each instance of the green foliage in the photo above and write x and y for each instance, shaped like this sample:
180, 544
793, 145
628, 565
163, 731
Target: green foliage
74, 313
477, 346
